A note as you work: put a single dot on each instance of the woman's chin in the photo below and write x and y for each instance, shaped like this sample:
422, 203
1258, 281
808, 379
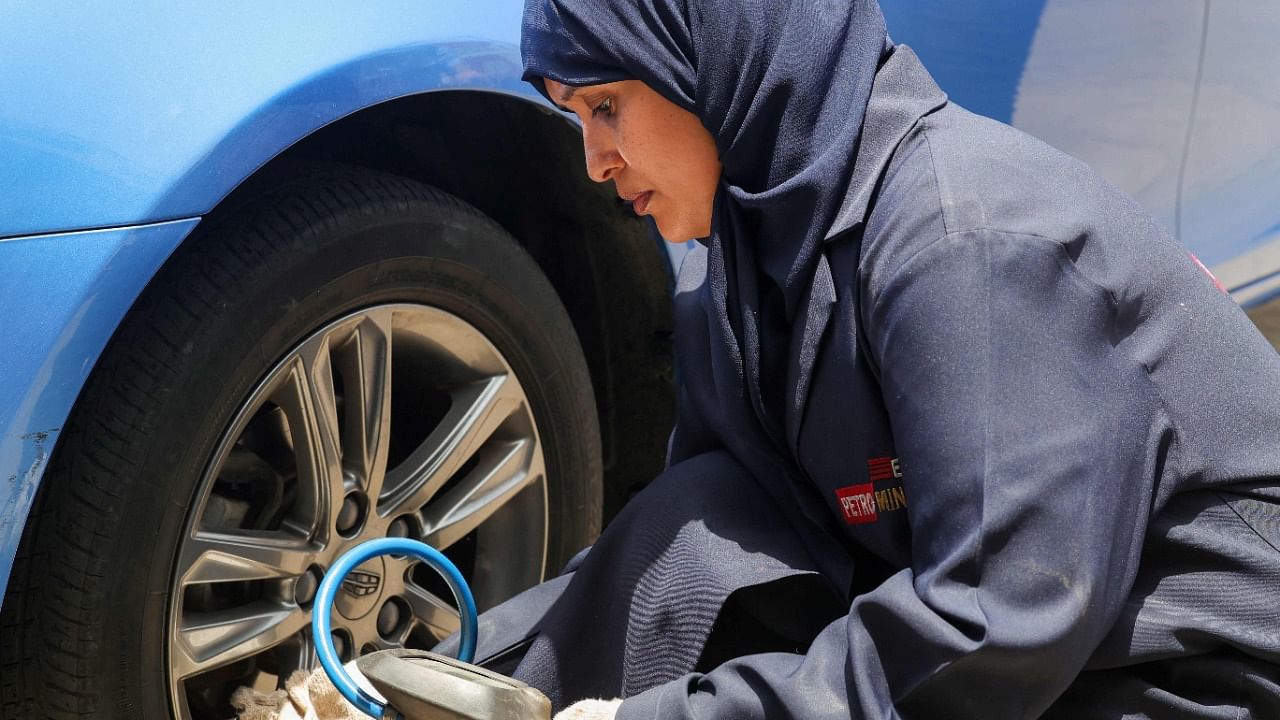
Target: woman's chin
666, 231
678, 232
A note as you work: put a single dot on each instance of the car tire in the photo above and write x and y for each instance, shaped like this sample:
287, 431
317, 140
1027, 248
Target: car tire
116, 550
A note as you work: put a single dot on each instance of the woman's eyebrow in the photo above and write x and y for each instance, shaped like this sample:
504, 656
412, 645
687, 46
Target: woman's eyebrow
566, 93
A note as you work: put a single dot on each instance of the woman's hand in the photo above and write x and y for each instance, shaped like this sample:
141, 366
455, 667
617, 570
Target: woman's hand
590, 710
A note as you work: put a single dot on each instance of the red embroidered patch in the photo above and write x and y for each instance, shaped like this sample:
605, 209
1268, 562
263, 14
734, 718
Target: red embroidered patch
858, 503
883, 468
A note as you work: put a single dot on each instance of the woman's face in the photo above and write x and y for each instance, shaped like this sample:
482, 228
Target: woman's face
658, 155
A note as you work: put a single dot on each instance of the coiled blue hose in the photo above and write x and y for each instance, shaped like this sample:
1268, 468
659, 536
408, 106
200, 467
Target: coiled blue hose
322, 633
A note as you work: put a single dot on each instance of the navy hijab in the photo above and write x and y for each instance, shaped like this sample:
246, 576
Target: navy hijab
782, 87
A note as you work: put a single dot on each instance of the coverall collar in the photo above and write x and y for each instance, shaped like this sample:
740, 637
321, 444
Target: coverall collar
902, 93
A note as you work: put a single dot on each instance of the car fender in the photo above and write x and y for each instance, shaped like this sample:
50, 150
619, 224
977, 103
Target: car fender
129, 122
62, 304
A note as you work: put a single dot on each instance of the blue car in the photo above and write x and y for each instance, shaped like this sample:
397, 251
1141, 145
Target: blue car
283, 277
280, 278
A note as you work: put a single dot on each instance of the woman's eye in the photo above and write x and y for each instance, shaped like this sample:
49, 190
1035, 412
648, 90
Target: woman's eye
605, 106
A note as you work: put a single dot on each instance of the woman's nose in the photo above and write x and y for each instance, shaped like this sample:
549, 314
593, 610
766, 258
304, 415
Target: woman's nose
603, 159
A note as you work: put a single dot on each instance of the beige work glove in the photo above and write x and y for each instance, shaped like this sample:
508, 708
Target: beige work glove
590, 710
306, 696
313, 697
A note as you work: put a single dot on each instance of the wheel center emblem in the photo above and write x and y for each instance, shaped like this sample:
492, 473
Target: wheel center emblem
358, 584
361, 589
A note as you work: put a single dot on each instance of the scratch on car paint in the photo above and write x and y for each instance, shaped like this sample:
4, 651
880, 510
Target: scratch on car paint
40, 436
24, 485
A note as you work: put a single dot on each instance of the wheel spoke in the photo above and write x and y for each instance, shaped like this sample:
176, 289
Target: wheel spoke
477, 411
365, 366
505, 470
439, 617
308, 400
208, 640
223, 557
266, 437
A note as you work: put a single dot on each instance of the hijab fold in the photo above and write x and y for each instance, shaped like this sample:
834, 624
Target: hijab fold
783, 87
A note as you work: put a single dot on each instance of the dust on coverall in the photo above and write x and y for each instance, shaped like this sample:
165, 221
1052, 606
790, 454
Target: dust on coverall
1036, 463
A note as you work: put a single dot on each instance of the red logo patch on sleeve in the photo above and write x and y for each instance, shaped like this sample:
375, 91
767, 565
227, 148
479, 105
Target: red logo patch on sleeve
858, 503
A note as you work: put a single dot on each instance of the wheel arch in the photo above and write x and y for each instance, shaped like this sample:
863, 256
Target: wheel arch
592, 251
522, 164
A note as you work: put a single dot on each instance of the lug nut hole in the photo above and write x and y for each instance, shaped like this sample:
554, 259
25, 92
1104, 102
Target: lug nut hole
391, 618
304, 591
341, 645
402, 527
351, 516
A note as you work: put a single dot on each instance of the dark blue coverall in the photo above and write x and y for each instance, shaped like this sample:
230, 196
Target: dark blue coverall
1034, 472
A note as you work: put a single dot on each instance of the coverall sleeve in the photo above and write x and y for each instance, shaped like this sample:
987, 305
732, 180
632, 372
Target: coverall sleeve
1030, 438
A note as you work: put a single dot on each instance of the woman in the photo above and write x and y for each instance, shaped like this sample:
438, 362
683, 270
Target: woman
961, 433
924, 341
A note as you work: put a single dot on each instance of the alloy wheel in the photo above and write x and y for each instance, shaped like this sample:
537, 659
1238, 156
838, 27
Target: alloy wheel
400, 420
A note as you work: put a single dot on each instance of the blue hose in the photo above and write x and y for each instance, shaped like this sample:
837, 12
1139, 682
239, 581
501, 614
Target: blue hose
322, 633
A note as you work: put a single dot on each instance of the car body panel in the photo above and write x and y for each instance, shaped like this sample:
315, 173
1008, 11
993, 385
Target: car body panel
975, 50
1113, 84
1230, 213
1176, 102
126, 113
1109, 83
72, 291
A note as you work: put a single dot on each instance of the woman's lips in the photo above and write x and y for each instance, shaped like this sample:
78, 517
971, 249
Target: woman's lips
641, 203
